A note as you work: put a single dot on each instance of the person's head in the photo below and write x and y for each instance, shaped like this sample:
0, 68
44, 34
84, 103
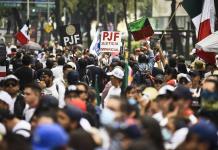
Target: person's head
210, 85
49, 63
114, 110
184, 79
66, 69
152, 130
6, 101
182, 97
158, 81
72, 77
201, 136
143, 58
11, 85
27, 60
170, 73
50, 137
82, 89
43, 115
69, 117
196, 79
92, 96
61, 61
116, 76
130, 92
165, 98
47, 77
172, 62
32, 93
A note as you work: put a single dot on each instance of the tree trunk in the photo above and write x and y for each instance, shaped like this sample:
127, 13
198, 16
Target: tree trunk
57, 19
177, 44
125, 17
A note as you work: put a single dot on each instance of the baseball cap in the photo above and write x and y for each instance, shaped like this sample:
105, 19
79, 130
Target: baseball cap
206, 131
72, 64
182, 92
183, 75
49, 137
48, 101
73, 77
150, 93
47, 72
5, 97
73, 112
11, 77
165, 90
116, 72
78, 104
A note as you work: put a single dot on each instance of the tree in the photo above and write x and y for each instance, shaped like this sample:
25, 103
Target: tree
177, 44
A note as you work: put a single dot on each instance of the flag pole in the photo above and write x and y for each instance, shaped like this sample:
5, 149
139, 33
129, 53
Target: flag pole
171, 18
28, 9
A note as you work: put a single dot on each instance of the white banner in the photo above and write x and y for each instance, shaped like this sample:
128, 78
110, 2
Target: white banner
110, 41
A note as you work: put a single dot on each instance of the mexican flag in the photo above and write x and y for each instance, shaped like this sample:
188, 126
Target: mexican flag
141, 29
23, 35
202, 13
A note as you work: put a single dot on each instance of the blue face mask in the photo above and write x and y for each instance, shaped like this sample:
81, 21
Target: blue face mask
107, 117
132, 101
166, 134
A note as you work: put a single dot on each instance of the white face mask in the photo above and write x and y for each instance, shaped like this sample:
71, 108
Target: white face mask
107, 117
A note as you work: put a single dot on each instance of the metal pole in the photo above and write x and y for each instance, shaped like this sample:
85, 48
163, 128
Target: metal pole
97, 11
65, 19
48, 11
135, 9
28, 9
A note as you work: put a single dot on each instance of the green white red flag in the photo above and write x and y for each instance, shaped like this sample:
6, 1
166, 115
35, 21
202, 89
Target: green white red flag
202, 13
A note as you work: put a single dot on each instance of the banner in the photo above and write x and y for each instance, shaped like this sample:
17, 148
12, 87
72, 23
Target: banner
110, 41
70, 35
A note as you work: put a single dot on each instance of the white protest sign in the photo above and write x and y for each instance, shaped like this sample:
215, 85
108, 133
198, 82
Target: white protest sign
110, 41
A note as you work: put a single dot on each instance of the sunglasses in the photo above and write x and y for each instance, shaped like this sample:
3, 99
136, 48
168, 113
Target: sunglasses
158, 82
10, 84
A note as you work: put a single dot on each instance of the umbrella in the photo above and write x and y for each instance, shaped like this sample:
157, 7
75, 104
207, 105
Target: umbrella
209, 44
32, 46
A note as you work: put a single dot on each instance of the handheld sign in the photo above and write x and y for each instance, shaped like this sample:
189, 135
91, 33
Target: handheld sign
70, 35
110, 41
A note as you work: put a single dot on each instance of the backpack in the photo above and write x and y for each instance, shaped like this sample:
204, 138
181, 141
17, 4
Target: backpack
87, 78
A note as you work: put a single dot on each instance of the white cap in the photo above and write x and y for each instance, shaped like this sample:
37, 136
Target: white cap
163, 90
5, 97
117, 72
183, 75
11, 76
72, 64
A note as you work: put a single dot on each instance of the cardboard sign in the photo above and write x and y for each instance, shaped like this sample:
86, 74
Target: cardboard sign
70, 35
110, 41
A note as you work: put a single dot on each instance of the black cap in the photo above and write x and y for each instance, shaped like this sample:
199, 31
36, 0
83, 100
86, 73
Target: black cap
73, 77
47, 72
182, 92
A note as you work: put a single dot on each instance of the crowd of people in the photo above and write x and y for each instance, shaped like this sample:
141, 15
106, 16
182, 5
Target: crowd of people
62, 98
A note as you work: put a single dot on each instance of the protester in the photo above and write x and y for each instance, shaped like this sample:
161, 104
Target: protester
70, 97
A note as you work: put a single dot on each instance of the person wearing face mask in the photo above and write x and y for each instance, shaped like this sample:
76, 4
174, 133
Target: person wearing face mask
112, 118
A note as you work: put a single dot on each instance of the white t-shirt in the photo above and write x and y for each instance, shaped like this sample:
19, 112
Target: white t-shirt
57, 90
57, 72
28, 112
113, 91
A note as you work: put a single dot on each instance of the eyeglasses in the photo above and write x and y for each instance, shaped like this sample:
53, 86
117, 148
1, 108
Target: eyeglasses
10, 84
158, 82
